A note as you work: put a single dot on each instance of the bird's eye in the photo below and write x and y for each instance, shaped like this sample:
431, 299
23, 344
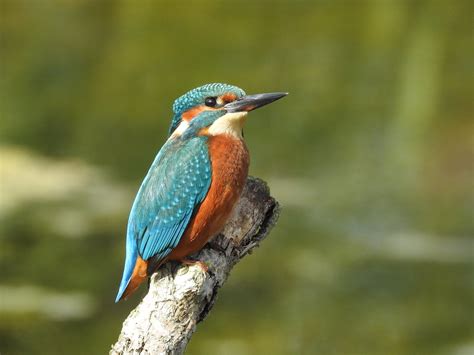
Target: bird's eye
210, 101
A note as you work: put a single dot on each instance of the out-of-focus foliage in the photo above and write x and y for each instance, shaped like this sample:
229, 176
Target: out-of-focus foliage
370, 156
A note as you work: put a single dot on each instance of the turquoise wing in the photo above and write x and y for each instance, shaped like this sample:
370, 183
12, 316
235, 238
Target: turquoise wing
174, 187
177, 182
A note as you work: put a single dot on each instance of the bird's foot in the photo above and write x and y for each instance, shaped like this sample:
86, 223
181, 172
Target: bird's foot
189, 262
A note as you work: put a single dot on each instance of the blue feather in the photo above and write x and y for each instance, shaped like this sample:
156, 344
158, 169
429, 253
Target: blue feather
177, 182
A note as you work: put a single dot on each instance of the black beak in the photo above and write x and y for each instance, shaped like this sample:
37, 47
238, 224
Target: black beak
251, 102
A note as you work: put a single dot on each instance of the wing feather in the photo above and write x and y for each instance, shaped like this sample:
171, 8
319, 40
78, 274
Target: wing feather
176, 184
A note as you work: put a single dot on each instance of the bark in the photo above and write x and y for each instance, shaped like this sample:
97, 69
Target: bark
180, 296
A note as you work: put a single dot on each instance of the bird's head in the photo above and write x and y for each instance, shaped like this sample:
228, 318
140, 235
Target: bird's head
216, 108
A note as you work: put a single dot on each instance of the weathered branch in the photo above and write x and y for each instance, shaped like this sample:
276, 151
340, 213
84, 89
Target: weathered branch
181, 296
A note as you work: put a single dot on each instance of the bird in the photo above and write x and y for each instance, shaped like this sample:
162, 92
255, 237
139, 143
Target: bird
193, 183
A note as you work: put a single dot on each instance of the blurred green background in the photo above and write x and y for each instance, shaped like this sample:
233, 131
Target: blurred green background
370, 156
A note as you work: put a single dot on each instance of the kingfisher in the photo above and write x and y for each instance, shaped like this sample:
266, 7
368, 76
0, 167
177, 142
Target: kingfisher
193, 183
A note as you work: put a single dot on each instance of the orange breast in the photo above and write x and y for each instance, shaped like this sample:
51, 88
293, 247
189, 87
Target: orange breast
230, 162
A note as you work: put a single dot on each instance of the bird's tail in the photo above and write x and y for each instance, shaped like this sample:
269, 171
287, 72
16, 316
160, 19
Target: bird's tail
127, 274
130, 284
132, 260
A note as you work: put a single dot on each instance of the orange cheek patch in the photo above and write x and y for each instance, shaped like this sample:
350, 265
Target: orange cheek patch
229, 97
190, 114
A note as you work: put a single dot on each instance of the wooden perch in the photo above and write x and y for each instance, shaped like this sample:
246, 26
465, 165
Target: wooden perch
181, 296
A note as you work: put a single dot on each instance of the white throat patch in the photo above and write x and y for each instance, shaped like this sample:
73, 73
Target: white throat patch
230, 123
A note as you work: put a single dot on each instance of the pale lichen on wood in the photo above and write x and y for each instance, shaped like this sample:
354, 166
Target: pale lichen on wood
181, 296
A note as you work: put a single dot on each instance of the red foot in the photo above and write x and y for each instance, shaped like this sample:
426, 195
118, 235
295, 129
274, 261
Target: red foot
202, 264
